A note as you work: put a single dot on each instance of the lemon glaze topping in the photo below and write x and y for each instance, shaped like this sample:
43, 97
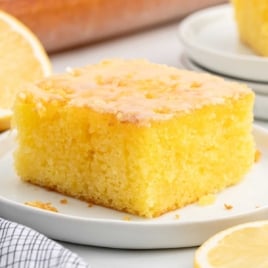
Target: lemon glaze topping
136, 90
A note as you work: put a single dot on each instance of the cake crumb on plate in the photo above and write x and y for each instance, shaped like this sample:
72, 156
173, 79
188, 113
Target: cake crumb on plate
64, 201
228, 206
257, 156
42, 205
126, 218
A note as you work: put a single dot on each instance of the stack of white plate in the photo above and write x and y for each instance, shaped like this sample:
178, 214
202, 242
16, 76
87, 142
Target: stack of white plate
211, 44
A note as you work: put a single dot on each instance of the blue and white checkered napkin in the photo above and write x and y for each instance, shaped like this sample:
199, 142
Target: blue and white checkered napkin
23, 247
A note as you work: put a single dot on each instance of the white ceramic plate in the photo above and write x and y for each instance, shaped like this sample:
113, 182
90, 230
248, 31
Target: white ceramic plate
78, 223
210, 38
261, 89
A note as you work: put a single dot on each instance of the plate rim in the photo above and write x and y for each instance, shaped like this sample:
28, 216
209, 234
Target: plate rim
144, 222
196, 50
190, 64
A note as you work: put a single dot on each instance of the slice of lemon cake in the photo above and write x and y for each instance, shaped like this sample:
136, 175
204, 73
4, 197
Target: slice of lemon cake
134, 136
252, 22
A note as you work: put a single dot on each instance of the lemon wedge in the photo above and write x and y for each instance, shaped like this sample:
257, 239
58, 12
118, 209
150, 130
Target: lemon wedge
244, 245
22, 59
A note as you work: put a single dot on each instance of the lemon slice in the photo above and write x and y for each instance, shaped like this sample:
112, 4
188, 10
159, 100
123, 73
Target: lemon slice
244, 245
22, 59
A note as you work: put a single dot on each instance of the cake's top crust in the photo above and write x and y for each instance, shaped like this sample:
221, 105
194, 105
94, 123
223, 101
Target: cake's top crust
136, 90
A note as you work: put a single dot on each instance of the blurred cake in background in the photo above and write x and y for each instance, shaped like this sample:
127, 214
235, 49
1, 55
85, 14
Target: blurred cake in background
252, 22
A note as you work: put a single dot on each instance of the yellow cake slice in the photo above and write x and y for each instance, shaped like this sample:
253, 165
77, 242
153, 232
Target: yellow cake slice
252, 21
134, 136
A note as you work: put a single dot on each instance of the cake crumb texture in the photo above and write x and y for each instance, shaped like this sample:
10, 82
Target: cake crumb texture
134, 136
